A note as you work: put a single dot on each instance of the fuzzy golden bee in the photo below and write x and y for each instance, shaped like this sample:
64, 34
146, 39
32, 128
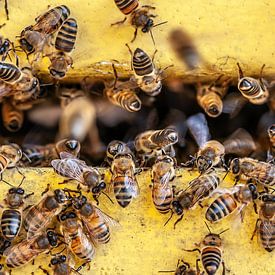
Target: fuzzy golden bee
265, 224
163, 173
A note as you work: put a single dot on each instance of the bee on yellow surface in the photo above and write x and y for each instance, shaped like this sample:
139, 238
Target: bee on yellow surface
26, 250
139, 17
74, 236
253, 89
42, 155
154, 143
210, 152
265, 224
249, 168
41, 214
96, 222
123, 94
234, 199
123, 179
88, 177
64, 44
12, 117
163, 172
34, 38
211, 252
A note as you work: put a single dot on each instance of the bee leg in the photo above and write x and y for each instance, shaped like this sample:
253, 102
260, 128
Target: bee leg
148, 7
28, 195
177, 221
29, 206
236, 180
197, 266
46, 190
255, 230
33, 262
255, 207
119, 22
65, 181
80, 267
44, 270
7, 9
172, 213
153, 57
192, 250
96, 199
135, 35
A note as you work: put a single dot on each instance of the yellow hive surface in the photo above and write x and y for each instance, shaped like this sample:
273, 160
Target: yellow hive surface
142, 245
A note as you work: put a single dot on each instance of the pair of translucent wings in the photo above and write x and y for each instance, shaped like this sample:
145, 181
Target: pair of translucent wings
70, 166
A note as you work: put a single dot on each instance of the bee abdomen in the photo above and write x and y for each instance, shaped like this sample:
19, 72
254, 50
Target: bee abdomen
9, 73
164, 207
122, 194
220, 208
10, 223
267, 236
101, 233
127, 6
66, 37
142, 63
85, 252
211, 259
12, 117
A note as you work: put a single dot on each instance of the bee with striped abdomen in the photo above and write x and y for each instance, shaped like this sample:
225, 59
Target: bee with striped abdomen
12, 117
154, 143
123, 179
266, 222
26, 250
34, 38
64, 44
163, 173
240, 143
211, 152
123, 94
258, 171
42, 155
11, 218
234, 199
88, 177
139, 17
96, 222
147, 77
74, 236
253, 89
271, 135
41, 214
211, 252
183, 268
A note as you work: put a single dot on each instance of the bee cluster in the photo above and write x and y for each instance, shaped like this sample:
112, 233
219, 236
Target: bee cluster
161, 127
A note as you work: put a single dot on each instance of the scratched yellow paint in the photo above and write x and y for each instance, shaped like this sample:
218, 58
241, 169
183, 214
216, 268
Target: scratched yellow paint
224, 32
142, 245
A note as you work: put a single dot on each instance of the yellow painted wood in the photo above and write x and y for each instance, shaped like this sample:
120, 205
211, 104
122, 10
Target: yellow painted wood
224, 31
142, 245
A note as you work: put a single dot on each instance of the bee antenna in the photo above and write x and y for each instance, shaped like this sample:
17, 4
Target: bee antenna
46, 84
152, 38
225, 175
1, 179
161, 23
172, 213
223, 231
26, 156
208, 228
166, 271
108, 197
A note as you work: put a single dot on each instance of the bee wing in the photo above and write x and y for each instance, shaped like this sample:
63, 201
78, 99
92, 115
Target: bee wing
66, 155
133, 186
200, 191
130, 84
198, 127
108, 219
233, 103
160, 195
69, 168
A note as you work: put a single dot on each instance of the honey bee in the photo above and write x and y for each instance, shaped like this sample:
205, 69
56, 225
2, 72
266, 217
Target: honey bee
198, 189
183, 268
10, 155
71, 167
11, 218
115, 147
96, 222
41, 214
64, 44
147, 77
258, 171
233, 199
253, 89
61, 266
271, 135
72, 230
210, 152
163, 172
155, 142
240, 143
36, 155
26, 250
265, 224
139, 17
211, 252
123, 179
209, 97
33, 38
123, 95
12, 117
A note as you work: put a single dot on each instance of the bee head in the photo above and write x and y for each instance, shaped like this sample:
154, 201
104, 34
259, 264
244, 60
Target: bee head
253, 189
149, 24
58, 260
177, 208
60, 196
25, 45
203, 163
271, 130
52, 238
235, 166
